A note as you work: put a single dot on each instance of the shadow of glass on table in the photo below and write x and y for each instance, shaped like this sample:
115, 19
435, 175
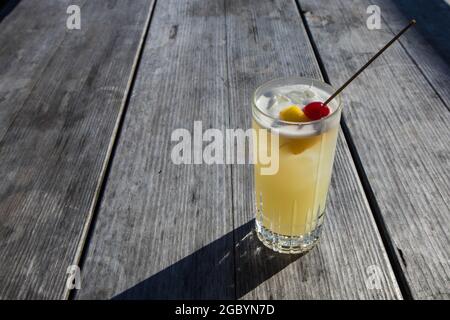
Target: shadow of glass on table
211, 272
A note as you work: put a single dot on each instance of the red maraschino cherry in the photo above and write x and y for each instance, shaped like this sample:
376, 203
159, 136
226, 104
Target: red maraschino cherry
316, 110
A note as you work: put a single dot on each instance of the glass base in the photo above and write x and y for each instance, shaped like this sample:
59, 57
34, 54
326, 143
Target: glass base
288, 244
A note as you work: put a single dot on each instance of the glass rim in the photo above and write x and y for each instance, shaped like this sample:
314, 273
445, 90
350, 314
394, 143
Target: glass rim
331, 115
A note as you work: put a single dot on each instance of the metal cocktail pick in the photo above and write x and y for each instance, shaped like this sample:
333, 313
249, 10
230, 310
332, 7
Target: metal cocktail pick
412, 22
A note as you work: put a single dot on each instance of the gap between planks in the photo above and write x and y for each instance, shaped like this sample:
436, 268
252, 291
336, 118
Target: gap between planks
373, 204
91, 219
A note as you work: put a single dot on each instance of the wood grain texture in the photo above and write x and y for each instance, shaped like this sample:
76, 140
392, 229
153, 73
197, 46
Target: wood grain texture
62, 94
24, 55
427, 43
399, 125
167, 231
266, 40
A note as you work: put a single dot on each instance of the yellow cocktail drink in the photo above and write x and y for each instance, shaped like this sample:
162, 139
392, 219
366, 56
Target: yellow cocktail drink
290, 202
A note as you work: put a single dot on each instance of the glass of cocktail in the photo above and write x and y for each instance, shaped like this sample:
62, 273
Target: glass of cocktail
290, 202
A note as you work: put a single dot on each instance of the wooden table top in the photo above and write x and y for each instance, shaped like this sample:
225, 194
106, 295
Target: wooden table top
86, 178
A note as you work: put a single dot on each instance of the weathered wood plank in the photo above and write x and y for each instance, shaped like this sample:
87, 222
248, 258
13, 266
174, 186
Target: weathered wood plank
62, 94
165, 230
399, 125
427, 43
24, 55
266, 40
